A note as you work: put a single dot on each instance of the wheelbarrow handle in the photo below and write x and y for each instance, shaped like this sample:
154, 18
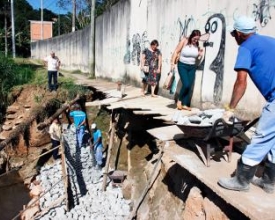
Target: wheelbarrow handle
249, 125
218, 123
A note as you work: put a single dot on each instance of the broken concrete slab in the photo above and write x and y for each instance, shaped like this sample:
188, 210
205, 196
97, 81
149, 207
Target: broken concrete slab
246, 202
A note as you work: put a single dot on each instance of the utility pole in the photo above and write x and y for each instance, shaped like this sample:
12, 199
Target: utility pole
12, 29
73, 14
6, 34
42, 29
92, 40
59, 22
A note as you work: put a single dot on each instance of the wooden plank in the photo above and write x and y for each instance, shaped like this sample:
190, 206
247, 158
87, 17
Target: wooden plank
142, 102
132, 103
255, 204
166, 133
107, 101
146, 112
165, 117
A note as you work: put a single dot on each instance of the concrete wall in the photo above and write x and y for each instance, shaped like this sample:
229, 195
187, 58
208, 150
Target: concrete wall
72, 49
129, 26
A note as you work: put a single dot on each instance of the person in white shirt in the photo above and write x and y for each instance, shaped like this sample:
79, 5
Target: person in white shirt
53, 63
55, 132
185, 57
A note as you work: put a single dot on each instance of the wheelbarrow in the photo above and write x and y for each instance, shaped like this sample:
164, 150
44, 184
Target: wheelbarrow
208, 133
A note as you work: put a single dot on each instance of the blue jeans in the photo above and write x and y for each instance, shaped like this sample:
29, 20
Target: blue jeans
79, 136
263, 142
187, 77
98, 155
52, 76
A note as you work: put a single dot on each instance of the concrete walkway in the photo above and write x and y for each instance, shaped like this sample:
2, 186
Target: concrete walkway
255, 204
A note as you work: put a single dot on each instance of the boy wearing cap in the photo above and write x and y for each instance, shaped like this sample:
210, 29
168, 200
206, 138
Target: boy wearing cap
52, 63
97, 145
55, 132
255, 58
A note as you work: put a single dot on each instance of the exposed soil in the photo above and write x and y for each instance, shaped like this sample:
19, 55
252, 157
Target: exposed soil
176, 194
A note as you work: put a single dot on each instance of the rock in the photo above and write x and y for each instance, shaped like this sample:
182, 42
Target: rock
4, 135
12, 109
11, 116
183, 120
30, 212
36, 190
20, 116
212, 211
15, 162
7, 122
194, 205
7, 127
18, 121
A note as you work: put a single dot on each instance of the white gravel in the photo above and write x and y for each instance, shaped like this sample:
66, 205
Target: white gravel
89, 201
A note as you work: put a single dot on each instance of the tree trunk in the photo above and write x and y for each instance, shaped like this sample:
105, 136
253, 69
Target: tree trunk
57, 113
20, 129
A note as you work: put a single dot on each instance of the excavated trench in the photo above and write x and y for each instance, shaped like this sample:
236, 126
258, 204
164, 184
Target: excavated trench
175, 193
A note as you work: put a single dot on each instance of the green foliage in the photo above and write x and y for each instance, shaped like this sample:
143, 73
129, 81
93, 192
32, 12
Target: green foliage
11, 74
102, 7
40, 78
72, 89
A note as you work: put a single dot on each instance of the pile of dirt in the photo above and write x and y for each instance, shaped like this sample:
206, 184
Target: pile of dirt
22, 117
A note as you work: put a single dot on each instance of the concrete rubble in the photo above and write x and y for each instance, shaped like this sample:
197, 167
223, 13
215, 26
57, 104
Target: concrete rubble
200, 118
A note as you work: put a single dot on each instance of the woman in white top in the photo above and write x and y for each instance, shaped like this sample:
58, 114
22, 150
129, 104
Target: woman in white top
188, 51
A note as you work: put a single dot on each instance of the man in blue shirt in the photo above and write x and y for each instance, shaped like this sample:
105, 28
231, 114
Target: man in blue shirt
255, 58
79, 118
97, 145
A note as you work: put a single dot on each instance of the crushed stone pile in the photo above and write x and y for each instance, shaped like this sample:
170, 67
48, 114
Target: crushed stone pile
89, 201
200, 118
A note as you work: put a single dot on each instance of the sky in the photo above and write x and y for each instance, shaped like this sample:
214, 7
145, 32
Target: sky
47, 4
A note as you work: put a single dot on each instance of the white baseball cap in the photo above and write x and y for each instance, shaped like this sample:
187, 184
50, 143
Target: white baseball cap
244, 25
93, 126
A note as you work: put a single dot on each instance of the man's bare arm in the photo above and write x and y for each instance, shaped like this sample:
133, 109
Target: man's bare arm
239, 88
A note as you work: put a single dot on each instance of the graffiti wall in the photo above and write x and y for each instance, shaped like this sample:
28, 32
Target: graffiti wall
124, 31
169, 20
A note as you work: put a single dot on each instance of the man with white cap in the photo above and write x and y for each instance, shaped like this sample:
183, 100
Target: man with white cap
97, 145
255, 58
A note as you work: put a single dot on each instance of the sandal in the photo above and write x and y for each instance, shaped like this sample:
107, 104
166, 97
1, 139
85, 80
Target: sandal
184, 107
179, 106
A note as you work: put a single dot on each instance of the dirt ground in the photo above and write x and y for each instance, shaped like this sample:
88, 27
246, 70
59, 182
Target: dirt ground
175, 194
